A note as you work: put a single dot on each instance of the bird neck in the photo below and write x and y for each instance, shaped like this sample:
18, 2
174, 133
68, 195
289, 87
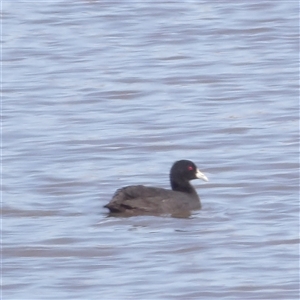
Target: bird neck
182, 186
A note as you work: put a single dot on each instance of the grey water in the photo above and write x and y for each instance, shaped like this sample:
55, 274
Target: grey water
97, 95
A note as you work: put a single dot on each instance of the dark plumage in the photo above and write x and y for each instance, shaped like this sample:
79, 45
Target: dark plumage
139, 199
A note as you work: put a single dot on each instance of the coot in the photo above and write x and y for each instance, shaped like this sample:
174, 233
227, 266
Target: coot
139, 199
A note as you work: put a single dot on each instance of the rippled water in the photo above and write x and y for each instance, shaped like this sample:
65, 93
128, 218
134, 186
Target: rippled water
99, 95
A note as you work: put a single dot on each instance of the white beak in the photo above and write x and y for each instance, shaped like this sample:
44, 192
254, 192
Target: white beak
201, 175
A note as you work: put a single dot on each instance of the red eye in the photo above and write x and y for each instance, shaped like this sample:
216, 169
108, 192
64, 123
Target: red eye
190, 168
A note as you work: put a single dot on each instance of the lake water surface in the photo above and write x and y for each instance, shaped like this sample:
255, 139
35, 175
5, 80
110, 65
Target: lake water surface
97, 95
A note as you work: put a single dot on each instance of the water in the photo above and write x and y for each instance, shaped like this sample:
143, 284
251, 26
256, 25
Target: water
99, 95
